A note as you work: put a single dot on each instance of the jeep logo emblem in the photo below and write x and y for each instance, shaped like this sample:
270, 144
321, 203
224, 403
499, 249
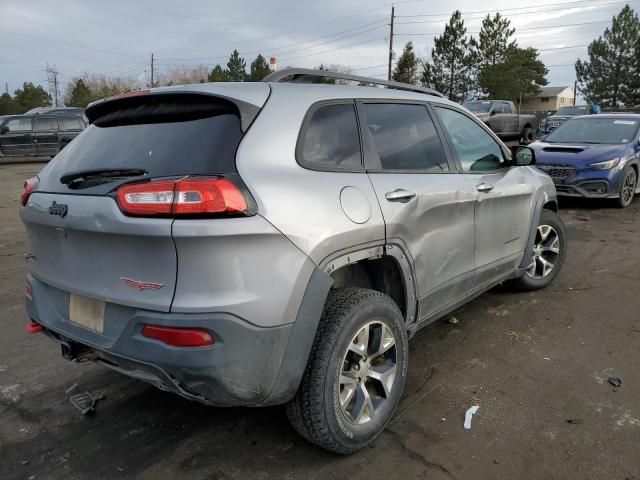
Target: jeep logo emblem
59, 209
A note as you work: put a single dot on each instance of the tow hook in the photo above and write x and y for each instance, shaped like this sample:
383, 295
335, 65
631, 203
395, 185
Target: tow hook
75, 351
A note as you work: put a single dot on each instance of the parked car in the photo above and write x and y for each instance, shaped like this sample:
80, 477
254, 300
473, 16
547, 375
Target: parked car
39, 135
279, 242
504, 119
562, 115
593, 157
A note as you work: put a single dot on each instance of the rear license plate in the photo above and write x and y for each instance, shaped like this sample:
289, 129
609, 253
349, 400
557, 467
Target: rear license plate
86, 312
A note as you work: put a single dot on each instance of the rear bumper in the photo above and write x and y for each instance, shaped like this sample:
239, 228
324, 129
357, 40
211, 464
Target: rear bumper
247, 365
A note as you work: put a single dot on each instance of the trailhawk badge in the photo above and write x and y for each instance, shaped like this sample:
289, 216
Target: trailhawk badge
141, 285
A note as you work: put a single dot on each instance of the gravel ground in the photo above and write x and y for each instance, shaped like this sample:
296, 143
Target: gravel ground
531, 361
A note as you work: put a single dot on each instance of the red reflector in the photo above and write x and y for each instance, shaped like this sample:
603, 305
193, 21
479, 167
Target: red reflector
209, 196
178, 337
182, 197
34, 327
29, 291
30, 185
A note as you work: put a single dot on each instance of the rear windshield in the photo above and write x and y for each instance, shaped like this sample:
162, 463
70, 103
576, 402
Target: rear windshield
595, 130
477, 107
163, 139
573, 111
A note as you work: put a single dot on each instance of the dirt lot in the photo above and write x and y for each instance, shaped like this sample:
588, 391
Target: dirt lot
531, 361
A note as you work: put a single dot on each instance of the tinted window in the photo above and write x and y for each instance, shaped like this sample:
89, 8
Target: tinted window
595, 129
19, 125
331, 140
475, 148
71, 123
405, 138
161, 139
46, 124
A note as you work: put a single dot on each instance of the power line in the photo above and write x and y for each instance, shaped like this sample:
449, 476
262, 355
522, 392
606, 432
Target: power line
58, 55
334, 49
514, 14
518, 29
538, 6
309, 27
70, 44
379, 24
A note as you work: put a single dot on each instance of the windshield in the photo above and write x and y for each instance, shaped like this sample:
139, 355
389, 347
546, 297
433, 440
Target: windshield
595, 130
584, 110
478, 107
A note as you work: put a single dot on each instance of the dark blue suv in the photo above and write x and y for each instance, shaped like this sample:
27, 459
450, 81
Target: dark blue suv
595, 156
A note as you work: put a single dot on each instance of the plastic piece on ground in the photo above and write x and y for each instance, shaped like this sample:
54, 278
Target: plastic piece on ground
467, 416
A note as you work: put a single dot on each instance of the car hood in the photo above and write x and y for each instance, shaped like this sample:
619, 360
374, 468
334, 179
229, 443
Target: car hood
578, 154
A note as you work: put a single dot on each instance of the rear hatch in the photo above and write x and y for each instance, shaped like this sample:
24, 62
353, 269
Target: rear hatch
81, 239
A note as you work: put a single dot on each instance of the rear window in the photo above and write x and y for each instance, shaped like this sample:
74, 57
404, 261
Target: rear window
69, 123
164, 138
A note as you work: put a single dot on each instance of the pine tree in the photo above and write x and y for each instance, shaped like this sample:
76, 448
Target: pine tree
236, 68
217, 74
406, 69
7, 104
80, 95
612, 73
450, 68
259, 69
494, 40
31, 96
519, 73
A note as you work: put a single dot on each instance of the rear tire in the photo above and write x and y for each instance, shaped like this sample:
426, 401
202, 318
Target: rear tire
627, 187
545, 262
350, 390
526, 137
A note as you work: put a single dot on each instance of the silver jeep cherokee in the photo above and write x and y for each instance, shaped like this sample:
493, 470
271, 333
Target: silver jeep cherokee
279, 242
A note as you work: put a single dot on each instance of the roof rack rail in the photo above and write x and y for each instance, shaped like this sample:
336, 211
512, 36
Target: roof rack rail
307, 75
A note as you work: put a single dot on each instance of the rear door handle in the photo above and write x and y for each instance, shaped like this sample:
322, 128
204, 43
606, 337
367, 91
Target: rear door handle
399, 195
484, 187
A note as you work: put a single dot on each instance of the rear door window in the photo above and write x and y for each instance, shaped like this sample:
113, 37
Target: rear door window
330, 139
165, 138
405, 138
46, 124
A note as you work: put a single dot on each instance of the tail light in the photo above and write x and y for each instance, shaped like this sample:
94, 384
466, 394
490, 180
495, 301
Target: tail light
34, 327
30, 185
178, 337
182, 197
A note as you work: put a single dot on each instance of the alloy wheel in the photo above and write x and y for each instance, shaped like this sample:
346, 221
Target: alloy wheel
628, 187
367, 373
545, 253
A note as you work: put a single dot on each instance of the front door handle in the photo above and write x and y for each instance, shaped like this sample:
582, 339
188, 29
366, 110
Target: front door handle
399, 195
484, 187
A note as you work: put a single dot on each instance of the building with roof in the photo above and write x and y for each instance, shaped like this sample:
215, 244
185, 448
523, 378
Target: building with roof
549, 99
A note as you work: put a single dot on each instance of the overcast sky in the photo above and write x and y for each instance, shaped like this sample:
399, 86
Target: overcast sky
117, 37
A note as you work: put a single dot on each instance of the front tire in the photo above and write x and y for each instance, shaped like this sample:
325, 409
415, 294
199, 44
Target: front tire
548, 255
627, 187
355, 374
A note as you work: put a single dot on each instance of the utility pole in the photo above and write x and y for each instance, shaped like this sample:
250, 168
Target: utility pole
6, 88
152, 70
575, 91
54, 86
391, 43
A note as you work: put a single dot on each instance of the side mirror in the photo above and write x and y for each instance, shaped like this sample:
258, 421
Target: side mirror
522, 156
4, 130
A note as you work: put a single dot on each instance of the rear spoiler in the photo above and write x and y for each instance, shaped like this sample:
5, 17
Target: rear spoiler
100, 108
